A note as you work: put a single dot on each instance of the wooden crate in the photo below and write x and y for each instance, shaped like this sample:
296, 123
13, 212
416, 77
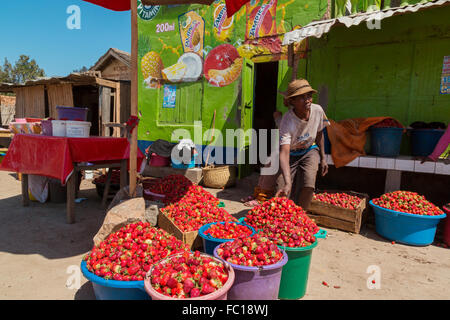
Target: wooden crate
335, 217
191, 238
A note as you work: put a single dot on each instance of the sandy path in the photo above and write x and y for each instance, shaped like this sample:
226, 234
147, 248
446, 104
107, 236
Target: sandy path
40, 253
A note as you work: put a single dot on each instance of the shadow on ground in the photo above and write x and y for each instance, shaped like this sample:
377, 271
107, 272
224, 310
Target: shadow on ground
86, 292
42, 228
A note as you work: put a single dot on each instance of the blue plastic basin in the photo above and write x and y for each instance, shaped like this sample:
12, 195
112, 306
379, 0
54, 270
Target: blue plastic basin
386, 142
113, 289
404, 227
423, 141
210, 243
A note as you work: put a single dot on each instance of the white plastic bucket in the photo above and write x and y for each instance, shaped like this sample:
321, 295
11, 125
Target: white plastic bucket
78, 129
59, 128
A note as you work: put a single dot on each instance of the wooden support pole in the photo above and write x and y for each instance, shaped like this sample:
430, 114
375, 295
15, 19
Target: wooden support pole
134, 95
118, 112
123, 174
71, 189
25, 196
107, 185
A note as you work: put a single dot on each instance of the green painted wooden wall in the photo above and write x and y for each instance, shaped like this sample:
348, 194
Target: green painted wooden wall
395, 71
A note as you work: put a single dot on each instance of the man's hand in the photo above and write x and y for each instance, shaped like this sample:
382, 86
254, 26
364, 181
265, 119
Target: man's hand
285, 191
277, 114
298, 145
324, 167
423, 159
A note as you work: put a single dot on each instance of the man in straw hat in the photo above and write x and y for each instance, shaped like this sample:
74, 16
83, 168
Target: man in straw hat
301, 143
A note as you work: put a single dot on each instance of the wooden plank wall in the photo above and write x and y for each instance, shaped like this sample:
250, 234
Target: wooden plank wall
125, 101
59, 95
30, 102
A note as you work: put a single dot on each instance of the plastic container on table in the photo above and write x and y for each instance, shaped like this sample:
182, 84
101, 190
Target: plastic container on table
47, 127
407, 228
59, 128
210, 243
423, 141
256, 283
220, 294
78, 129
113, 289
386, 142
72, 113
446, 233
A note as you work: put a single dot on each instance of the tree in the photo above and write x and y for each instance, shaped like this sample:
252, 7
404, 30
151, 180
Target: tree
23, 70
5, 72
83, 69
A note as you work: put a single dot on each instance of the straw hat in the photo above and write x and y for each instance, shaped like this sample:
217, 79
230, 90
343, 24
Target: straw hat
297, 88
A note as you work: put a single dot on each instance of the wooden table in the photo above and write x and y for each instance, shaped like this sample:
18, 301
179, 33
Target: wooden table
72, 185
63, 158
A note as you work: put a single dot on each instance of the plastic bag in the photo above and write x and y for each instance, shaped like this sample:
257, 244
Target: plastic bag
38, 187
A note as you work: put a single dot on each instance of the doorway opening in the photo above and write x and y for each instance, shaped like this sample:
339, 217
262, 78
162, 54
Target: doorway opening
265, 99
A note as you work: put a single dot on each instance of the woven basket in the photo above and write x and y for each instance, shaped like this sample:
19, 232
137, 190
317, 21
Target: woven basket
219, 177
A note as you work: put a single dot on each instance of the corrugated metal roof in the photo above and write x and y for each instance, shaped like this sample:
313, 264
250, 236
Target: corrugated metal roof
72, 78
318, 28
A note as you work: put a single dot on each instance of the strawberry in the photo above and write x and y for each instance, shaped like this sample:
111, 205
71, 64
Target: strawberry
192, 280
188, 285
282, 220
195, 292
259, 250
207, 288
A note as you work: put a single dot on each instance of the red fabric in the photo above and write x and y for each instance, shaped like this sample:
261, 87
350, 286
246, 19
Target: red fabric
54, 156
233, 6
116, 5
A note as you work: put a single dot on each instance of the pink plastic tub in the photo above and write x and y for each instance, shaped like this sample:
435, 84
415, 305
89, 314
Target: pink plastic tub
220, 294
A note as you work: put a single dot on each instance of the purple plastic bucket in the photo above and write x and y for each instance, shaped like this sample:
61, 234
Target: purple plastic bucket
256, 283
47, 128
72, 113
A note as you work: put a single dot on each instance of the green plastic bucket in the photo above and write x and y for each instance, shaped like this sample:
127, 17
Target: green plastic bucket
294, 277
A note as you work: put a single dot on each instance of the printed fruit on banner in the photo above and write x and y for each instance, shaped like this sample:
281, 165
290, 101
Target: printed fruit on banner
253, 251
151, 67
175, 73
192, 32
223, 65
223, 26
261, 20
188, 275
194, 64
128, 254
408, 202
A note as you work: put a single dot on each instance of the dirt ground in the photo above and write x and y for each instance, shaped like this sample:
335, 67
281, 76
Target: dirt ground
40, 253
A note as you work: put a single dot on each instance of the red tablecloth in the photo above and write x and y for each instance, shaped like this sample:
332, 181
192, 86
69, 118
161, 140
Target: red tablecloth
54, 156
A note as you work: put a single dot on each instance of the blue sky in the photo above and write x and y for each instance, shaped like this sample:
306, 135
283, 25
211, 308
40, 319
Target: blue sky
39, 29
